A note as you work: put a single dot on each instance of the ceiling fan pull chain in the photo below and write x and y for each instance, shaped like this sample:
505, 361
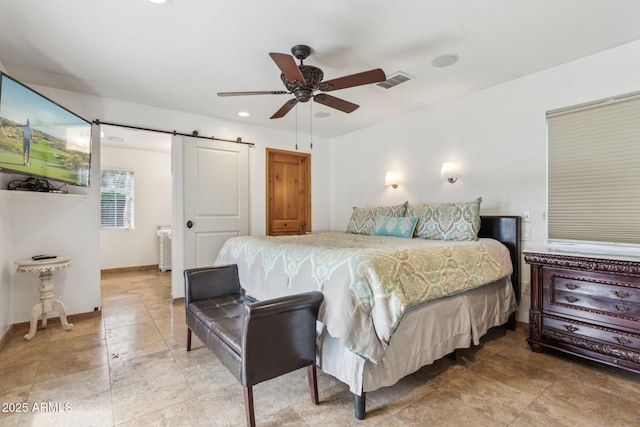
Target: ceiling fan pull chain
296, 126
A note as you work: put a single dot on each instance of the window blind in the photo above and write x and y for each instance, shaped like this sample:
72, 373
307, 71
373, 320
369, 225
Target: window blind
116, 200
594, 172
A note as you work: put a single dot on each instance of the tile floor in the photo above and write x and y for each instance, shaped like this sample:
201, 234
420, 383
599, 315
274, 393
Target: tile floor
130, 368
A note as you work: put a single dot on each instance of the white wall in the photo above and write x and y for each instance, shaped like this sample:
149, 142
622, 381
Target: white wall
497, 136
152, 207
48, 223
58, 224
6, 269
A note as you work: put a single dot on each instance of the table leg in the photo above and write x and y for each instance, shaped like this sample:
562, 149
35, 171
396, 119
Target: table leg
35, 313
46, 295
59, 307
46, 304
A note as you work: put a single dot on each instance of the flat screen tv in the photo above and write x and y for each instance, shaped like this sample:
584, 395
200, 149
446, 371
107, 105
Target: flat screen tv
40, 138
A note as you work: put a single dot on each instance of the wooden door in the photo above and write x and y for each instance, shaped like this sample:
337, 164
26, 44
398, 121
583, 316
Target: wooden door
288, 192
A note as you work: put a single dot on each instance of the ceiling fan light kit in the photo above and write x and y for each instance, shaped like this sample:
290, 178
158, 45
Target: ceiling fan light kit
305, 82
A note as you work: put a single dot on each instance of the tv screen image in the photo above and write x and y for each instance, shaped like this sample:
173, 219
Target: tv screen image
41, 138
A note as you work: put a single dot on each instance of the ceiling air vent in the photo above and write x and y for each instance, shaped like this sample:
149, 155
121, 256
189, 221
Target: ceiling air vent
394, 80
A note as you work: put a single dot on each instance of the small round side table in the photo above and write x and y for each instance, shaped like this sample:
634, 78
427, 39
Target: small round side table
45, 267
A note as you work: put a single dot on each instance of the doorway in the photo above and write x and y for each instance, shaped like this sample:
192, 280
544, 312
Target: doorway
147, 156
288, 192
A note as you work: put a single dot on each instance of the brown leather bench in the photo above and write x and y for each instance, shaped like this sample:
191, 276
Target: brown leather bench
255, 340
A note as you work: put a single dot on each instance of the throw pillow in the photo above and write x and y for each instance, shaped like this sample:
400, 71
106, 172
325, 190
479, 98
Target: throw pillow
363, 220
447, 221
395, 226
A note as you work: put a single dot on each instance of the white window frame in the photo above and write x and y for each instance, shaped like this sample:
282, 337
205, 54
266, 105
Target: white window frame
122, 183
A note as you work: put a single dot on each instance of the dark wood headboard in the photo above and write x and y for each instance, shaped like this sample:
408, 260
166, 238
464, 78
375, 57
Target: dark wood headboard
505, 229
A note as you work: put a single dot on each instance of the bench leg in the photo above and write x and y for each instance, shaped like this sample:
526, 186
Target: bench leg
188, 339
248, 406
313, 383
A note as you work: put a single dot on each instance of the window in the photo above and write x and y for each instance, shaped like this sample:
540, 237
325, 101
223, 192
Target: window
116, 200
594, 172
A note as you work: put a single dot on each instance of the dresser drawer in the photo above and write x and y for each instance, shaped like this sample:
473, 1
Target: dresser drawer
618, 290
584, 294
589, 332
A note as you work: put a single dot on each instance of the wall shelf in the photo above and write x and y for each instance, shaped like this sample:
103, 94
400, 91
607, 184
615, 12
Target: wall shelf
15, 194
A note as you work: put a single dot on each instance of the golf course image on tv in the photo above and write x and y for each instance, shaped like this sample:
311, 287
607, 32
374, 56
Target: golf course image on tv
40, 138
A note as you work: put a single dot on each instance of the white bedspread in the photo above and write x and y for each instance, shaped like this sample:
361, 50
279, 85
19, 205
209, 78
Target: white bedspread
368, 281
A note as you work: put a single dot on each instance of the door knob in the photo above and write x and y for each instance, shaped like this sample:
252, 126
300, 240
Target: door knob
302, 224
189, 224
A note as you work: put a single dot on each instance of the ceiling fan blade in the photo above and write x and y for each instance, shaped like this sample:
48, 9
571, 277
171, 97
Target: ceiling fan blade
288, 66
284, 109
260, 92
337, 103
359, 79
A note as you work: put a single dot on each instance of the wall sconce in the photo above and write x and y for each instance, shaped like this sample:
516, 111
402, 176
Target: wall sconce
392, 179
450, 172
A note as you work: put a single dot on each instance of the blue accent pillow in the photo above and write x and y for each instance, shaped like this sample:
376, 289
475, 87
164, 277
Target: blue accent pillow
395, 226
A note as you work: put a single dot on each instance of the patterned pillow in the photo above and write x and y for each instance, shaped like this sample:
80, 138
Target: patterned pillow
363, 220
395, 226
447, 221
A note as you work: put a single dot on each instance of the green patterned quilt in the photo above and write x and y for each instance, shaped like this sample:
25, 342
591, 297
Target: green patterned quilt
368, 281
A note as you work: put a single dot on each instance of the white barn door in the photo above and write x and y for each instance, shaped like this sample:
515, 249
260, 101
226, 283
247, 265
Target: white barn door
215, 201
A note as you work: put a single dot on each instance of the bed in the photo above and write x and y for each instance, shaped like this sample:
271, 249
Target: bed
391, 305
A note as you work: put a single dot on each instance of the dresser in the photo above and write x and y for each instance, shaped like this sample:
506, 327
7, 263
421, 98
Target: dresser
587, 305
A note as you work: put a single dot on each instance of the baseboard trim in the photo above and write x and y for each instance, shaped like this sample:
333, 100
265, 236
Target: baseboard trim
138, 268
56, 320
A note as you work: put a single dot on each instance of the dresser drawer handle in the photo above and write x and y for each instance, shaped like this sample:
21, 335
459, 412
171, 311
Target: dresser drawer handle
623, 340
571, 286
571, 299
621, 294
570, 328
622, 308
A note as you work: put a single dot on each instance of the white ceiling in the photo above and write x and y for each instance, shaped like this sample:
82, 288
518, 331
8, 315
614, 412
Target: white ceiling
178, 56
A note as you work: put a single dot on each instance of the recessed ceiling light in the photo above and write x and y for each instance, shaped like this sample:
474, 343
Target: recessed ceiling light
243, 114
445, 60
160, 1
321, 114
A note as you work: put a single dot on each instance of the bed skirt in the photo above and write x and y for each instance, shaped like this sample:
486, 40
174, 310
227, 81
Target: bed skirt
451, 322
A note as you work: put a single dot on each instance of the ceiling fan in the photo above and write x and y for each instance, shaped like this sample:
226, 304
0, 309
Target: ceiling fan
305, 83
